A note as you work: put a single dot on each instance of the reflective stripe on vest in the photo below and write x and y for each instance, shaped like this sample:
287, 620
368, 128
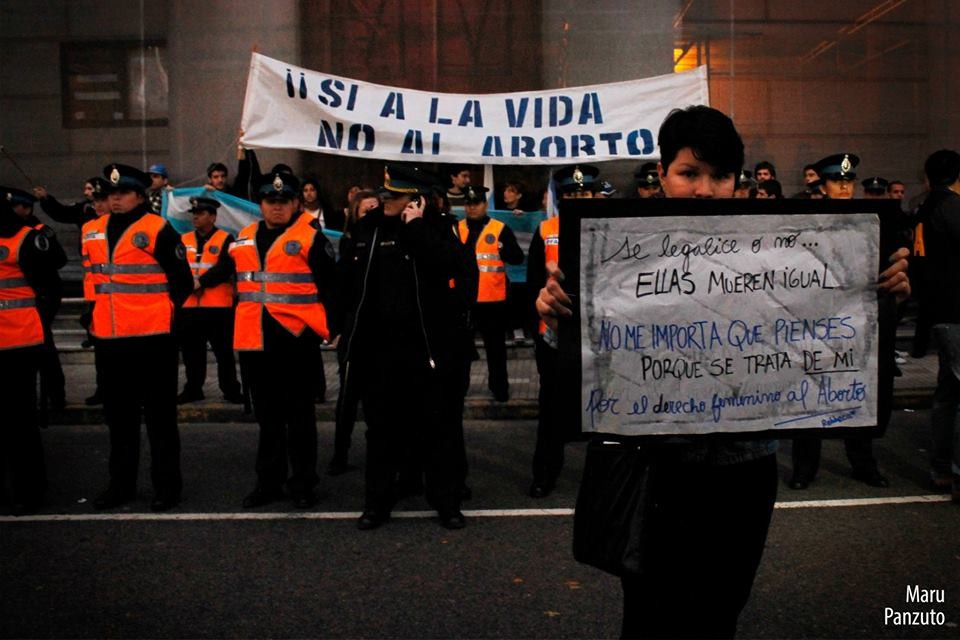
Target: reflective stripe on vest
90, 278
129, 286
19, 320
550, 233
283, 286
492, 284
217, 296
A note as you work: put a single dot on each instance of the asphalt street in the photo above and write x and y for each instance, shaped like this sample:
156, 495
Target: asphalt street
210, 569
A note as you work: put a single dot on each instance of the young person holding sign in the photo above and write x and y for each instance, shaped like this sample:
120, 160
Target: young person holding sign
713, 497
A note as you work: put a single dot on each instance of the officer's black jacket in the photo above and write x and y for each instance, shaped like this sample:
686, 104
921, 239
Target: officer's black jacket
39, 258
397, 297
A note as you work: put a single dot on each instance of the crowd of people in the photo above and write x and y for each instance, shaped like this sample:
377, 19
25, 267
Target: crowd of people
402, 299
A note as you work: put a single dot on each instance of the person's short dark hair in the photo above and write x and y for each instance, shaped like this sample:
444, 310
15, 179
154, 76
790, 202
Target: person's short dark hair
306, 181
772, 187
942, 167
763, 164
808, 167
516, 185
217, 166
708, 133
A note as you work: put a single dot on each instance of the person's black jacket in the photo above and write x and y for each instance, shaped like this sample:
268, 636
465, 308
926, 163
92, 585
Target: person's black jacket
940, 214
395, 282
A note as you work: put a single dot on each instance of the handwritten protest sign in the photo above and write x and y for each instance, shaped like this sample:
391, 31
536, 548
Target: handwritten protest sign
289, 107
701, 324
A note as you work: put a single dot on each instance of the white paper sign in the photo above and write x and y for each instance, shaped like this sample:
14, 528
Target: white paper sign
289, 107
728, 323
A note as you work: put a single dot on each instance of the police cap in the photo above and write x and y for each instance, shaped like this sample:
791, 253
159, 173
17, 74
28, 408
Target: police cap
875, 185
399, 179
17, 196
475, 194
123, 177
200, 203
839, 166
101, 188
278, 186
581, 177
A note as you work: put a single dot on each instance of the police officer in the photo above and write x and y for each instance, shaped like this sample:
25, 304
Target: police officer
52, 381
838, 173
285, 279
144, 277
101, 207
648, 180
495, 246
875, 188
207, 314
553, 431
28, 271
396, 271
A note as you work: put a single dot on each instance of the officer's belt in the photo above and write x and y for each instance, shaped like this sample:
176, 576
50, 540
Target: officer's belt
20, 303
278, 298
123, 287
488, 256
272, 276
485, 269
10, 283
137, 269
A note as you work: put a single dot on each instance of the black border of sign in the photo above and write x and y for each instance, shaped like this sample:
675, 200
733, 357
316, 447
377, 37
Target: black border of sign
572, 211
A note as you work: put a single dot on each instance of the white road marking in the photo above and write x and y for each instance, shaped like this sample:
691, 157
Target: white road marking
477, 513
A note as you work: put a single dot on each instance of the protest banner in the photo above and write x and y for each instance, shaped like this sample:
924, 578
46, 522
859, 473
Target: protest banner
289, 107
723, 317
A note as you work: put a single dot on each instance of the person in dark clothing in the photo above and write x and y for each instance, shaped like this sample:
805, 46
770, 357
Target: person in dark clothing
285, 283
52, 381
495, 246
207, 314
146, 277
76, 214
941, 215
28, 273
401, 352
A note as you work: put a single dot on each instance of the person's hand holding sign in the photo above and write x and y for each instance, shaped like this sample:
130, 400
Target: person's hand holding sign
553, 301
895, 279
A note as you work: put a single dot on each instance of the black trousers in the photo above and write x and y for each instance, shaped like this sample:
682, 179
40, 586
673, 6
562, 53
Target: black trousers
402, 409
707, 534
52, 381
139, 377
491, 320
806, 456
282, 386
23, 473
348, 399
195, 328
548, 454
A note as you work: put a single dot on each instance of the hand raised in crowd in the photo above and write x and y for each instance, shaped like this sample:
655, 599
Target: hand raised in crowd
895, 279
553, 301
414, 209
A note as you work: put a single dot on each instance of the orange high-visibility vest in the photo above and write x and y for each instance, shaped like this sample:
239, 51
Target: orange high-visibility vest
90, 279
550, 233
919, 249
220, 295
130, 289
19, 320
284, 285
492, 286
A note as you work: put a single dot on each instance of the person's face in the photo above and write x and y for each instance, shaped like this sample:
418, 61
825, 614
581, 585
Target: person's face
898, 191
475, 210
839, 189
203, 221
101, 206
511, 197
124, 201
366, 205
810, 176
461, 179
762, 194
309, 194
277, 212
157, 181
576, 195
688, 177
218, 180
763, 174
88, 191
647, 191
742, 192
394, 206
